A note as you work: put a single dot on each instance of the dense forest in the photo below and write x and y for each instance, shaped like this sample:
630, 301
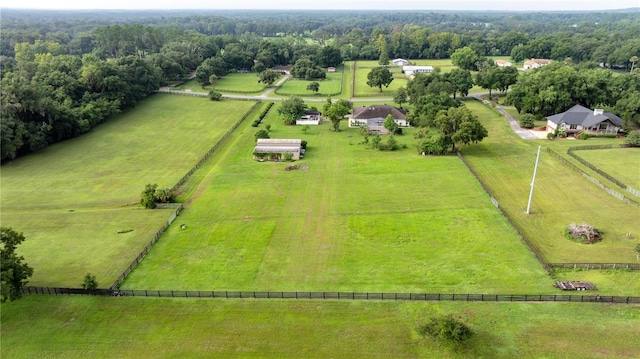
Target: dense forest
63, 73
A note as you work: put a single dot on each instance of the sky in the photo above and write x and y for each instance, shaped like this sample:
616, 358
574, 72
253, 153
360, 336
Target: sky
513, 5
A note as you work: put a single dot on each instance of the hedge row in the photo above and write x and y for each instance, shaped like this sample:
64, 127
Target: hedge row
262, 115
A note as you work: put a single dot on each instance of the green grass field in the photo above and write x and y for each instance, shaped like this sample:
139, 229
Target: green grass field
82, 327
621, 163
71, 198
356, 219
332, 85
562, 196
363, 68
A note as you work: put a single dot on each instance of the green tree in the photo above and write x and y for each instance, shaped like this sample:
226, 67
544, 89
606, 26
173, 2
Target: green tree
461, 80
291, 109
261, 133
400, 96
215, 95
336, 112
90, 282
14, 273
447, 329
381, 45
164, 195
378, 77
365, 132
268, 77
633, 61
465, 58
392, 144
390, 124
213, 78
633, 139
375, 141
459, 125
313, 86
147, 199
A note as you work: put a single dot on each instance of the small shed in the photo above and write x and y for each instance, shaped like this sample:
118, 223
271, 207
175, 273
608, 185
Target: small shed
574, 285
331, 69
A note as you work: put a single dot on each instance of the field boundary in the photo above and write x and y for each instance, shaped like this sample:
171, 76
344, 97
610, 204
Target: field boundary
549, 267
277, 91
539, 256
173, 216
593, 180
571, 150
452, 297
147, 248
215, 147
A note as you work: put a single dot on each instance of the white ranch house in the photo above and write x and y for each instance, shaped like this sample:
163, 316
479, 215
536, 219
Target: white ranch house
400, 62
535, 63
373, 116
503, 63
412, 70
309, 118
580, 119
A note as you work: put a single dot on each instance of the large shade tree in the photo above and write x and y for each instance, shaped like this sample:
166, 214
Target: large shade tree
379, 76
14, 272
459, 126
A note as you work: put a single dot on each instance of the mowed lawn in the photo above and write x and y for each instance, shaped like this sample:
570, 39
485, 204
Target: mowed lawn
331, 86
362, 69
72, 198
127, 327
562, 196
354, 220
620, 163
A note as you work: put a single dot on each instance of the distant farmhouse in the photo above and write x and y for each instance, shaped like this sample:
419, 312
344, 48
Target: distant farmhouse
535, 63
272, 149
373, 116
331, 69
400, 62
412, 70
580, 119
309, 118
503, 63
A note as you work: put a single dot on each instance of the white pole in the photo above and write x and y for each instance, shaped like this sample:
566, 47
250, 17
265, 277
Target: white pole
533, 181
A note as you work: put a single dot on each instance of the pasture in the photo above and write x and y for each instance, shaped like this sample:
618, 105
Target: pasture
127, 327
362, 69
562, 196
620, 163
355, 219
72, 198
330, 86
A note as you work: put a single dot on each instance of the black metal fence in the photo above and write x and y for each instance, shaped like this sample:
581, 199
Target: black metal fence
452, 297
215, 147
146, 249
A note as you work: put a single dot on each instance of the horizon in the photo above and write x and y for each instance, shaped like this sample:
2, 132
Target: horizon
285, 5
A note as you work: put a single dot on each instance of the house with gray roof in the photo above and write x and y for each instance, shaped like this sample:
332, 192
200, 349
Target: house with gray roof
580, 119
373, 116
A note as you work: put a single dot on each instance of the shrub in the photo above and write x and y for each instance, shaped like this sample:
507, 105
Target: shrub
303, 144
164, 195
527, 120
550, 136
633, 139
261, 134
147, 198
90, 282
583, 136
446, 328
255, 123
215, 95
398, 131
287, 156
268, 127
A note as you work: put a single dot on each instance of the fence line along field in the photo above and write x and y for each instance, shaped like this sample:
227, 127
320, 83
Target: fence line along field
73, 198
351, 218
127, 327
562, 196
621, 163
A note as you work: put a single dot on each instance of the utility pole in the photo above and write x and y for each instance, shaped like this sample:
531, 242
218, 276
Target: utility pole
533, 181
